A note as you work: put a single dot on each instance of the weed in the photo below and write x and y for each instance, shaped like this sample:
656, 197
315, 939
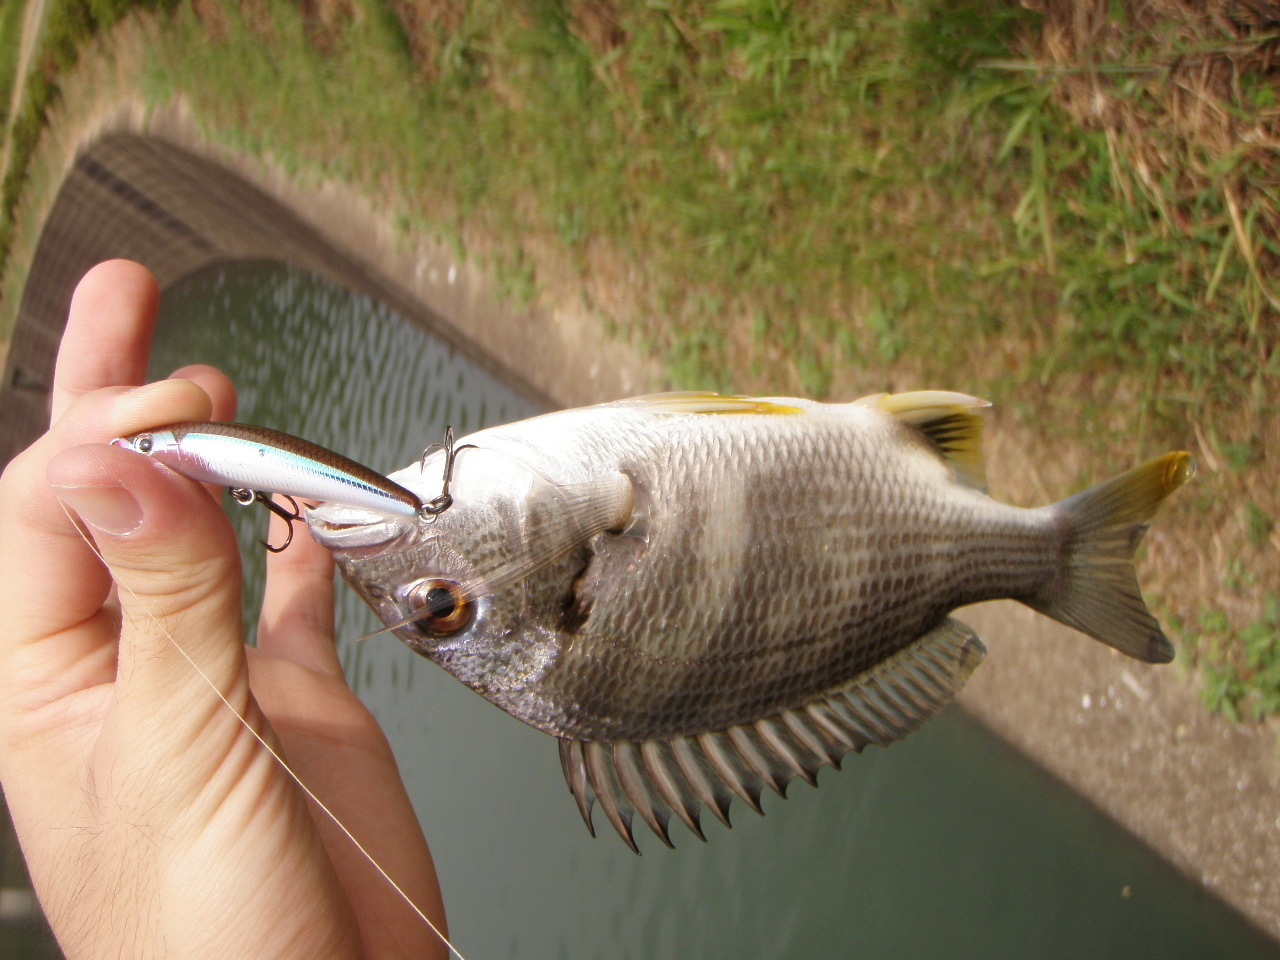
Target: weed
1244, 679
11, 16
889, 338
814, 371
514, 278
1258, 525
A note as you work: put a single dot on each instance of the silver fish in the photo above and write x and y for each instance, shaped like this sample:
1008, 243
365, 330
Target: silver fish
704, 595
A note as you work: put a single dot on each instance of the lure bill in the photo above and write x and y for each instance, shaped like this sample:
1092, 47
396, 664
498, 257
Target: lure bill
245, 457
701, 596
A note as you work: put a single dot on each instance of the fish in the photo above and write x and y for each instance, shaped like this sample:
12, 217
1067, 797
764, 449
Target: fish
701, 596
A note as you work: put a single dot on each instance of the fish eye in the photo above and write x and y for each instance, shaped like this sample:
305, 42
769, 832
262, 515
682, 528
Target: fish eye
446, 611
143, 443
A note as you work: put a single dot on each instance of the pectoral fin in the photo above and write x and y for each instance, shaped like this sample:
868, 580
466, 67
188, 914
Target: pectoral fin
879, 706
561, 517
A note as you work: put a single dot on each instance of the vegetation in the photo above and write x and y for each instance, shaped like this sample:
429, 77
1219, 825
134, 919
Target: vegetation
10, 41
69, 24
1071, 209
1246, 681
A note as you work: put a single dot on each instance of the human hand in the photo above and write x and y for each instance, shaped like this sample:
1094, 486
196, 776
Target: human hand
152, 821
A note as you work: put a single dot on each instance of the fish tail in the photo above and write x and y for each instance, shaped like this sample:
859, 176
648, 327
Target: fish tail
1095, 589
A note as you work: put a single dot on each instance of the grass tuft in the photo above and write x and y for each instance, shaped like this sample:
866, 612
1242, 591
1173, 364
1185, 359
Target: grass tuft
1242, 668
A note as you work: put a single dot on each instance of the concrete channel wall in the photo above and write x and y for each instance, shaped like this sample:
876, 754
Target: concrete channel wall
146, 199
1131, 738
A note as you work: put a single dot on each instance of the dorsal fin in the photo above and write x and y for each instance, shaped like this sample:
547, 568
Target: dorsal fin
704, 401
948, 422
881, 705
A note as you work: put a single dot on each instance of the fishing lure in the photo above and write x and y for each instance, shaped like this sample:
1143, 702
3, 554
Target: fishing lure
254, 462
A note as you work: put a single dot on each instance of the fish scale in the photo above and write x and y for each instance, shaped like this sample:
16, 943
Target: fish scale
702, 596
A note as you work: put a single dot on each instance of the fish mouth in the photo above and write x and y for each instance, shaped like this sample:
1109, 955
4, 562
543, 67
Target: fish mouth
341, 527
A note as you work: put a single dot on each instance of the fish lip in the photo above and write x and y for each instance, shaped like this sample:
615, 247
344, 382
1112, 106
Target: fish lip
341, 527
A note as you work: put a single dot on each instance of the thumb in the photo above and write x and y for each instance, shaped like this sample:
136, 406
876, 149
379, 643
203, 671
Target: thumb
174, 558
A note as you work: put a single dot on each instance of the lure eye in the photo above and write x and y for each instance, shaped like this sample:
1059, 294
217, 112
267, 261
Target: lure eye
143, 443
446, 609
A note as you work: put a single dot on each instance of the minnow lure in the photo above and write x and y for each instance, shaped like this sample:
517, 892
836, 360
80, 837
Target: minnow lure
254, 462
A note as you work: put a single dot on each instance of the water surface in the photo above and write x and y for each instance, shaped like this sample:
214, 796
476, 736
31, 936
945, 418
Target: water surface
947, 845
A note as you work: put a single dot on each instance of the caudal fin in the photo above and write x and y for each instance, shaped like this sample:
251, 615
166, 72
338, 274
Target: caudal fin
1096, 589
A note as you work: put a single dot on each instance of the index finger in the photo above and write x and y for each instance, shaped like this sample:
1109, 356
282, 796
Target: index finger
108, 338
297, 610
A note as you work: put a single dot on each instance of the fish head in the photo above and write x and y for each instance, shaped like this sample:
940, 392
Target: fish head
479, 587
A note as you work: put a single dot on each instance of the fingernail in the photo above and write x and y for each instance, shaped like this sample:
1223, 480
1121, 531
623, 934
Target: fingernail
109, 509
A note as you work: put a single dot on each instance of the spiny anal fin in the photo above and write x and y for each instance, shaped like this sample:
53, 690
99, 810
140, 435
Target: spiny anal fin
948, 422
659, 777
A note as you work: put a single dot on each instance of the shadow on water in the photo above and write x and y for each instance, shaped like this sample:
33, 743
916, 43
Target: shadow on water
24, 935
947, 845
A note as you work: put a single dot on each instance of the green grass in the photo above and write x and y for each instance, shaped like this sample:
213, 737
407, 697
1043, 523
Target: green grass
852, 169
1242, 667
789, 196
735, 183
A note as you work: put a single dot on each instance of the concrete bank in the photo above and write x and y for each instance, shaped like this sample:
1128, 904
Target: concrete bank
1133, 739
146, 189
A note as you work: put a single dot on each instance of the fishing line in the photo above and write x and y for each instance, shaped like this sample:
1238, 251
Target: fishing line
257, 736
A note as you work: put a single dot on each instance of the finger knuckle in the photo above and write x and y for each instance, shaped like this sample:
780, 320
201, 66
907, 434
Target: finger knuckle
187, 584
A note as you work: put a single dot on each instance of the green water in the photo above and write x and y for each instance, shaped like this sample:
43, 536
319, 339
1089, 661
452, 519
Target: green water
947, 845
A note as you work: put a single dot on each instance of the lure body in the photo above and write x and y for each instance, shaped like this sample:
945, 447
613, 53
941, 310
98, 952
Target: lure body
248, 457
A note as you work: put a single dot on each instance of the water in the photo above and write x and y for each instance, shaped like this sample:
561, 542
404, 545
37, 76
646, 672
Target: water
949, 844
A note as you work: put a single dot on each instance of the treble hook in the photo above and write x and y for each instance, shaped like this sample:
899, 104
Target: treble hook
440, 504
245, 497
